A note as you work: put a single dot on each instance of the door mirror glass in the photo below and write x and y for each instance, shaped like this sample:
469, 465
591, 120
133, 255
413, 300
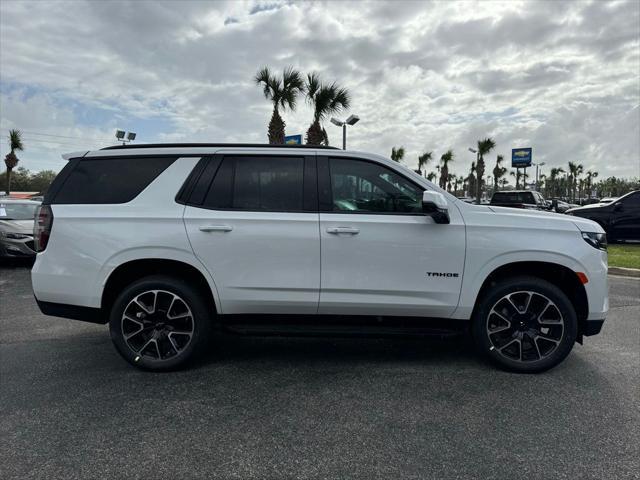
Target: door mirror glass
435, 205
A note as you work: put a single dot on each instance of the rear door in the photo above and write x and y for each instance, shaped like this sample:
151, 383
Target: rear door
252, 220
380, 254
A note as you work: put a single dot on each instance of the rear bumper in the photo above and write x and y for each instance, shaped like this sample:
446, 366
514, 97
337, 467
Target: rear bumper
74, 312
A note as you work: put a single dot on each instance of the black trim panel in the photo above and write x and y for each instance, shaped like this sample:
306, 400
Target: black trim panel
591, 327
74, 312
189, 184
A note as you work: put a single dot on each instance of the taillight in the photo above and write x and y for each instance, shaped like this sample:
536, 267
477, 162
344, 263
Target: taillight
42, 227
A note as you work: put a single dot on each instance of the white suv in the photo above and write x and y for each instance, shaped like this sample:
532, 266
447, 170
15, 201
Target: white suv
166, 242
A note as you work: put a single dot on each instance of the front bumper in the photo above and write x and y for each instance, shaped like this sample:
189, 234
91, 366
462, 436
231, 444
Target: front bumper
23, 247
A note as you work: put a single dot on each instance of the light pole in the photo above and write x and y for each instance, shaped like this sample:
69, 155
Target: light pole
352, 120
537, 176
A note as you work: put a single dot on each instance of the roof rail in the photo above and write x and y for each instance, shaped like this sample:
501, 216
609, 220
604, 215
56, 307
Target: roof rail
220, 145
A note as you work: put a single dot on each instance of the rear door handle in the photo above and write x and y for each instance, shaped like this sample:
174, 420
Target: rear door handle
215, 228
338, 230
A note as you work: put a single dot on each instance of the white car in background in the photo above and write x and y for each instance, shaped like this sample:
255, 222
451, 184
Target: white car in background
16, 227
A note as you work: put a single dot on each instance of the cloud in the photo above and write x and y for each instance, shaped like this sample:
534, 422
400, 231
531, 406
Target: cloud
562, 77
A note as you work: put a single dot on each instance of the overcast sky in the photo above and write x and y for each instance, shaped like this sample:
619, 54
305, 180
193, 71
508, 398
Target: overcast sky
561, 77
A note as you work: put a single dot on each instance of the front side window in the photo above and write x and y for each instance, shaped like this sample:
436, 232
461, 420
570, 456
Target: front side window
258, 184
363, 187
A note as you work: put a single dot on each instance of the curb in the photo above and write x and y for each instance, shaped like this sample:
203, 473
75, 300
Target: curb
625, 272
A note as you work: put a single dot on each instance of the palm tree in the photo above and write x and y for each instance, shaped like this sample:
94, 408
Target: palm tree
471, 179
519, 175
484, 147
282, 92
590, 176
431, 176
553, 180
458, 181
397, 154
11, 160
451, 178
444, 170
498, 171
575, 169
423, 160
325, 100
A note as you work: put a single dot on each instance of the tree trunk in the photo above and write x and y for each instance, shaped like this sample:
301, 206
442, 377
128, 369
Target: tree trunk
480, 175
276, 129
8, 183
315, 134
444, 176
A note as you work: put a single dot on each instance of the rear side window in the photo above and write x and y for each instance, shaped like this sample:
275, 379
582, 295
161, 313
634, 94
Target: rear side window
110, 180
258, 184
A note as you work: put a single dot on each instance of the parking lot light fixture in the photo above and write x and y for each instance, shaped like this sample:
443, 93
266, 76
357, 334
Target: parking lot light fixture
352, 120
125, 137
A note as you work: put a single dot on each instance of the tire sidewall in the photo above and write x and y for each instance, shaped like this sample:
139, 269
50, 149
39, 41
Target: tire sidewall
188, 294
499, 290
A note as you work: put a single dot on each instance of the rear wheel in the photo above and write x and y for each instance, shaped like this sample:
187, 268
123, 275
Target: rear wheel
159, 323
525, 324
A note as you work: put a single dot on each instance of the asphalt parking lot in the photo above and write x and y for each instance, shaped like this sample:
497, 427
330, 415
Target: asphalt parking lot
312, 408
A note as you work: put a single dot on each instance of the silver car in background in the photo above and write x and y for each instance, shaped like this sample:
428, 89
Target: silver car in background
16, 227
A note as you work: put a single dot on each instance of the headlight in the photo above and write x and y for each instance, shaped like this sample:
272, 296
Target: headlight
596, 240
16, 236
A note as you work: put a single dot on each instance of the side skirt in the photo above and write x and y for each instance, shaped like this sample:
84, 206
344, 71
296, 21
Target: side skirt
340, 326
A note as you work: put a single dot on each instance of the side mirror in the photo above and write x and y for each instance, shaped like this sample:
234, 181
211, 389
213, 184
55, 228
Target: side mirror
617, 207
435, 205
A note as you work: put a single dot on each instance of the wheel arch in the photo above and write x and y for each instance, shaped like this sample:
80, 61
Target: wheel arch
559, 275
132, 270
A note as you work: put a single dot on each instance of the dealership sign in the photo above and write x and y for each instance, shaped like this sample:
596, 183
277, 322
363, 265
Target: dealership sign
521, 157
293, 140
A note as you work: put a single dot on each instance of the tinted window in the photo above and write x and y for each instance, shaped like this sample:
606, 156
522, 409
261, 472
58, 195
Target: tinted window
111, 180
258, 183
632, 201
362, 187
513, 197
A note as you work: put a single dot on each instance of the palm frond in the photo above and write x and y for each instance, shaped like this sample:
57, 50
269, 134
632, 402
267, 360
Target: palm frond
15, 140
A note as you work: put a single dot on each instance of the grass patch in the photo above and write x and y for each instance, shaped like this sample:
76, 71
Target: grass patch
627, 256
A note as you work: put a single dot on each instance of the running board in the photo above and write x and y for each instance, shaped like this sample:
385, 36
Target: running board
375, 327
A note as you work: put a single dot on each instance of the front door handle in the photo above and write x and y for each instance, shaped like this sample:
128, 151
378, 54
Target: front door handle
215, 228
338, 230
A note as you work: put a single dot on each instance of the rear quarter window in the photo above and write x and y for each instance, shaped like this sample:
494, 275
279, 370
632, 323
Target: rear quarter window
110, 180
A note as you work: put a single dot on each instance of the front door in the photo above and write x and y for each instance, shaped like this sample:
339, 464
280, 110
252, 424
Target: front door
255, 228
626, 217
380, 254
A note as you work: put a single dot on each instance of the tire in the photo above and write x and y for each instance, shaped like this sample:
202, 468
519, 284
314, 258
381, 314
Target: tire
160, 323
525, 324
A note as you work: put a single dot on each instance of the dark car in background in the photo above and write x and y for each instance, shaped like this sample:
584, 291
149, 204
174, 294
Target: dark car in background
620, 218
16, 227
520, 199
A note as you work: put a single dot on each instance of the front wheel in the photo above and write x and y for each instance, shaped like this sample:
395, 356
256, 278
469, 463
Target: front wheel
159, 323
525, 324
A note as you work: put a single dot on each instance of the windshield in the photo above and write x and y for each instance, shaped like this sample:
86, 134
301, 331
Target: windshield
17, 211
